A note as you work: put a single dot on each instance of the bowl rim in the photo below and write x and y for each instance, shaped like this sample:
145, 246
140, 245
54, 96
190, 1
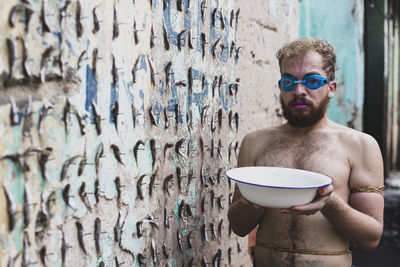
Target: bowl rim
283, 187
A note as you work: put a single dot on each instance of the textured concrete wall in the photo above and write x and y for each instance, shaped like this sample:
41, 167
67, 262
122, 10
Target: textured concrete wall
118, 121
342, 24
265, 27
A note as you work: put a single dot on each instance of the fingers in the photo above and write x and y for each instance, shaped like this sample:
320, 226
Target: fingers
313, 207
310, 208
326, 190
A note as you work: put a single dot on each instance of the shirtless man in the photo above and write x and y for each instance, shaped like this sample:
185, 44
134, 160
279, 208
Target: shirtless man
351, 209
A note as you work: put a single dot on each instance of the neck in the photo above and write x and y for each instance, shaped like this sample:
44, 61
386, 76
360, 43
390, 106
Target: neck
304, 130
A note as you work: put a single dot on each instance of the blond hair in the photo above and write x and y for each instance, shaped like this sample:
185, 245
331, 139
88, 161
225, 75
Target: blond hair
301, 47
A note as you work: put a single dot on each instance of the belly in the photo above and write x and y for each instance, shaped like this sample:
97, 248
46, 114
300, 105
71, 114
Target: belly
270, 258
288, 238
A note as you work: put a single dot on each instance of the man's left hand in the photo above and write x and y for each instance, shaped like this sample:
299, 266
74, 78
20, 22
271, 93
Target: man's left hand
316, 205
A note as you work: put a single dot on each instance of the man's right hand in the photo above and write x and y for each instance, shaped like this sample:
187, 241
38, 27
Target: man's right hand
243, 215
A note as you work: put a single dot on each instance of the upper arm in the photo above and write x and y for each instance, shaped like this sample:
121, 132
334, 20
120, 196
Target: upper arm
245, 159
367, 171
246, 152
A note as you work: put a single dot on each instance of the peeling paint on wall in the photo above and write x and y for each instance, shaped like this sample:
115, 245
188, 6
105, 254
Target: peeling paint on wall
119, 120
118, 136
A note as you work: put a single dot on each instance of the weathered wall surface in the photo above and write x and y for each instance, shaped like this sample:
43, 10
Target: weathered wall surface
342, 24
118, 121
266, 27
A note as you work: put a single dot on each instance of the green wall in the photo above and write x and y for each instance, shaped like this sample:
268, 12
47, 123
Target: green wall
340, 23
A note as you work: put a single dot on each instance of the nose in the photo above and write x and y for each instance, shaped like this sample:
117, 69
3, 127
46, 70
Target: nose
300, 89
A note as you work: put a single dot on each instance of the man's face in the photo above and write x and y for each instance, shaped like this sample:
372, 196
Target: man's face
302, 106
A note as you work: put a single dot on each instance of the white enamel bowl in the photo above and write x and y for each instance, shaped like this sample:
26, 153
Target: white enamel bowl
276, 187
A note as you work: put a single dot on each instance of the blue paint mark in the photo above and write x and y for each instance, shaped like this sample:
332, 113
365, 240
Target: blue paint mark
154, 4
59, 38
171, 108
20, 115
236, 58
172, 35
174, 88
69, 45
161, 87
91, 92
141, 95
157, 109
171, 103
128, 86
113, 99
223, 99
198, 98
186, 24
143, 63
215, 34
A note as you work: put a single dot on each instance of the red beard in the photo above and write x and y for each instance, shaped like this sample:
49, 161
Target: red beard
306, 118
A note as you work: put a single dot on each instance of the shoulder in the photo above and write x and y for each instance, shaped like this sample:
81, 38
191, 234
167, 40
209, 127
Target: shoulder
364, 156
355, 141
251, 143
260, 137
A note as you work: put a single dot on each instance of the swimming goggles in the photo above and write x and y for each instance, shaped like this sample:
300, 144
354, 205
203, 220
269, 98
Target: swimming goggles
313, 81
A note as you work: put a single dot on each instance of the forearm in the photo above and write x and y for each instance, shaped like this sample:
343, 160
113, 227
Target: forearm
244, 217
352, 224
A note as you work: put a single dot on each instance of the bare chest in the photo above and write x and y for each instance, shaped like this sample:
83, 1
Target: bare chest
322, 153
318, 154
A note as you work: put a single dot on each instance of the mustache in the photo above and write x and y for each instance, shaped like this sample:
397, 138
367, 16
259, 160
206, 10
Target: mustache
299, 99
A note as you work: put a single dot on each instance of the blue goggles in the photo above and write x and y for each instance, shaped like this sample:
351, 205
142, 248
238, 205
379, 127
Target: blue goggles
313, 81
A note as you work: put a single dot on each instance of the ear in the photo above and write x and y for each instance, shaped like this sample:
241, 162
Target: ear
332, 88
